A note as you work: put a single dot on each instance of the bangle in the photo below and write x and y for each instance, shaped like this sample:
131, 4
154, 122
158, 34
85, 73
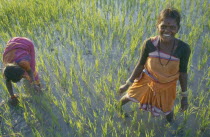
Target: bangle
183, 94
129, 82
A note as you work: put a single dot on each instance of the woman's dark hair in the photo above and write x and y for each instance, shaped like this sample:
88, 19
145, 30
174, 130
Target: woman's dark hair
13, 73
169, 13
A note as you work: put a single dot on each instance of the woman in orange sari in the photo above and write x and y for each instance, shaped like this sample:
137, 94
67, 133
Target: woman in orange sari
19, 62
163, 61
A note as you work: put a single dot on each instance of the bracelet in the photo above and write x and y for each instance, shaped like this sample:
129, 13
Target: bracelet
128, 82
183, 94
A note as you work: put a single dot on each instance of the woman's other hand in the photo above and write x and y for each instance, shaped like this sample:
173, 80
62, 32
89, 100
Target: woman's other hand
37, 88
184, 104
123, 88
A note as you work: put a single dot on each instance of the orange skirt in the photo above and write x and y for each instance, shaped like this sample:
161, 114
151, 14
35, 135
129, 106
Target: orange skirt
155, 97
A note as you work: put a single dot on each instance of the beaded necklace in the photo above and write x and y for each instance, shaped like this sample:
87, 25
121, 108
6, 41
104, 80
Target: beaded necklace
170, 54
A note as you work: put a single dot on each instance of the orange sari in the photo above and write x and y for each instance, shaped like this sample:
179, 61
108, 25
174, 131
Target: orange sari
155, 89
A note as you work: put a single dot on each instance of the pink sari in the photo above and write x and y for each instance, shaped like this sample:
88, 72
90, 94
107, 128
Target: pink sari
21, 49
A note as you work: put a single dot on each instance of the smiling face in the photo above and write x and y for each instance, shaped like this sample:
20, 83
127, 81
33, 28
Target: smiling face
167, 29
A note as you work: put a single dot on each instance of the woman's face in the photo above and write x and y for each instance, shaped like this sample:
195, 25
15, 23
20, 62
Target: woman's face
167, 29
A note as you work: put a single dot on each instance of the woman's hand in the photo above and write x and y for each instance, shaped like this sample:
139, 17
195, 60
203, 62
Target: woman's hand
123, 88
184, 104
37, 88
14, 100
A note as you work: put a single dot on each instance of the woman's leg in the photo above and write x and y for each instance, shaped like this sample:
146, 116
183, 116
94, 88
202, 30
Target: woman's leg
170, 116
122, 102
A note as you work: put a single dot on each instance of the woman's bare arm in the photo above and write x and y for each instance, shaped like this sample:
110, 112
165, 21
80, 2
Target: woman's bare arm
9, 87
135, 74
183, 81
183, 84
31, 75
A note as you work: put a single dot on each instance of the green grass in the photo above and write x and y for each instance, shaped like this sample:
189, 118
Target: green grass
85, 50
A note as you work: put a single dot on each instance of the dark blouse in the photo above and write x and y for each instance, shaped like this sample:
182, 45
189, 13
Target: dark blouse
182, 52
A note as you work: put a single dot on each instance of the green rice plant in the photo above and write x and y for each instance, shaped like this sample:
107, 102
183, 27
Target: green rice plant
104, 129
204, 53
201, 98
8, 122
35, 116
127, 132
74, 108
198, 133
64, 110
150, 134
80, 128
114, 132
204, 116
36, 133
134, 120
26, 114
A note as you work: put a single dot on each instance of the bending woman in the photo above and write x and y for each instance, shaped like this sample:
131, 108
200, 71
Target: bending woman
19, 62
163, 61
